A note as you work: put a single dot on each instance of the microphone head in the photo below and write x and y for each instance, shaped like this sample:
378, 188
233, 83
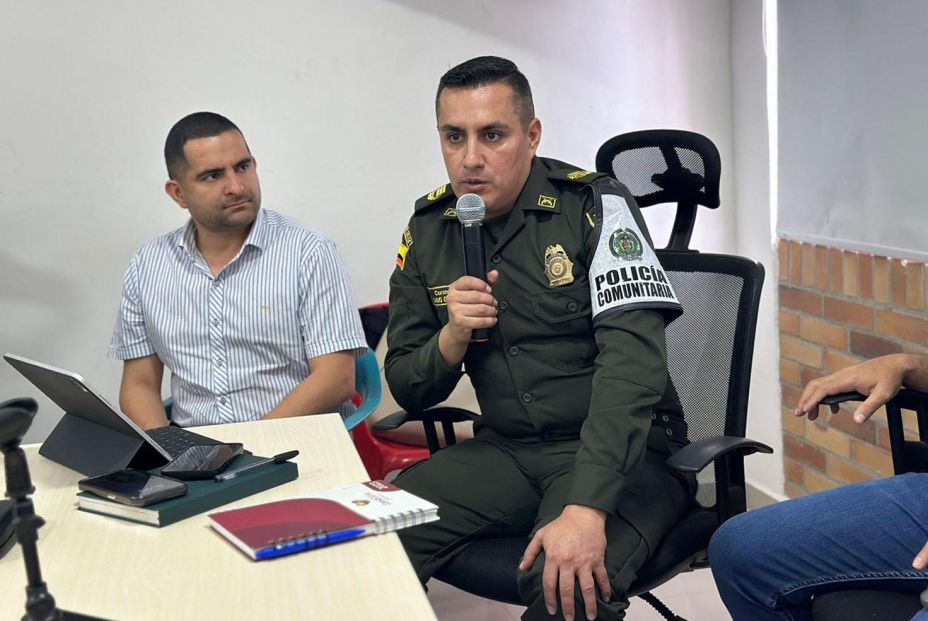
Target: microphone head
470, 209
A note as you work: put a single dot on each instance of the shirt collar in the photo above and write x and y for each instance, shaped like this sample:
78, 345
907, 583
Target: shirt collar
257, 236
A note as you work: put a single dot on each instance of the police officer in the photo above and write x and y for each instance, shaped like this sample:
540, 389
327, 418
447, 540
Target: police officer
578, 410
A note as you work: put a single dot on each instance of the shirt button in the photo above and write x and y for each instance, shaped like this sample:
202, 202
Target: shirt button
527, 397
215, 282
513, 351
215, 322
219, 363
222, 400
572, 307
503, 305
495, 259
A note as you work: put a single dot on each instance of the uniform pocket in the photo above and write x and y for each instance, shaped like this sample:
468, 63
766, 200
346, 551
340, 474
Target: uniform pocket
562, 304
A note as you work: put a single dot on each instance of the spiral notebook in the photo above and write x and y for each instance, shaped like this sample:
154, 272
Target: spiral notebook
333, 516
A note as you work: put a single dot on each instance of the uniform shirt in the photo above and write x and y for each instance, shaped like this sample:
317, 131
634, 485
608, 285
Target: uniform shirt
578, 349
238, 343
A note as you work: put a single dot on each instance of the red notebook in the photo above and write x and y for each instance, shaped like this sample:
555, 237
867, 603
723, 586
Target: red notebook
285, 527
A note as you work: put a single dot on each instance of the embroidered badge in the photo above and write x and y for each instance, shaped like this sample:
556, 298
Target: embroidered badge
558, 267
439, 295
577, 174
546, 201
451, 212
625, 244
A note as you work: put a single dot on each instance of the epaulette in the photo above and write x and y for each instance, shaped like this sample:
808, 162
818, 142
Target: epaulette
435, 197
575, 175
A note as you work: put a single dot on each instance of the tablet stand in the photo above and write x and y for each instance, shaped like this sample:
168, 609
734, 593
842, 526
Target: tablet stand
15, 418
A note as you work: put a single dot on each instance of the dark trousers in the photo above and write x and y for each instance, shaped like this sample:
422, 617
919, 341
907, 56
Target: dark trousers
493, 487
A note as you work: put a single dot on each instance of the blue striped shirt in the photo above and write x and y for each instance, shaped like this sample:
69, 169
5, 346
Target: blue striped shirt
237, 344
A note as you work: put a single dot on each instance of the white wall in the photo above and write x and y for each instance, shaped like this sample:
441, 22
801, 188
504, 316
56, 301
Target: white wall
853, 99
336, 101
754, 235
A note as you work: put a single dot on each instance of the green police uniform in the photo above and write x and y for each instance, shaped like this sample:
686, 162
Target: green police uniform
577, 406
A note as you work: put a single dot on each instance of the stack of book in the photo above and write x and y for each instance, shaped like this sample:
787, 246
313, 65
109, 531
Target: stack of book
201, 496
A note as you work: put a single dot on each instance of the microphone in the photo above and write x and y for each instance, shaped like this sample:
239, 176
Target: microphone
471, 210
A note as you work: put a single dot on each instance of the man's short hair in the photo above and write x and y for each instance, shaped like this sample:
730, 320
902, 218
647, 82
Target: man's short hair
191, 127
485, 70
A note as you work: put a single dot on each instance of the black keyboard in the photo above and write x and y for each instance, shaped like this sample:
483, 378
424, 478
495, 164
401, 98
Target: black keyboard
176, 440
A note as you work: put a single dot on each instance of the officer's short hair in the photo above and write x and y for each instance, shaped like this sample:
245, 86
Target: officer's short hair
191, 127
484, 70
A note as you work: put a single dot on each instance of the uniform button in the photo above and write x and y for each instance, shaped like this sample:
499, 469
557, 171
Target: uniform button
572, 307
496, 259
669, 432
527, 397
513, 351
503, 305
665, 418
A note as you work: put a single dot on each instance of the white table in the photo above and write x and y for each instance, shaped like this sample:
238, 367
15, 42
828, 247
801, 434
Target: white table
120, 570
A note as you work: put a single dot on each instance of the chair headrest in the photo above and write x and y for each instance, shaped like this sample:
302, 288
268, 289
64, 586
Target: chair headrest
664, 166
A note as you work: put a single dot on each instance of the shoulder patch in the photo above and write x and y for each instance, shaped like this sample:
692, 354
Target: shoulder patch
403, 250
625, 273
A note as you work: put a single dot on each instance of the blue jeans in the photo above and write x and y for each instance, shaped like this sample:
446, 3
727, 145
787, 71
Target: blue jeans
769, 563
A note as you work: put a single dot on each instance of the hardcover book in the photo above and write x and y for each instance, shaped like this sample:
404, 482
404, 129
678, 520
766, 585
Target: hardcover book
201, 495
284, 527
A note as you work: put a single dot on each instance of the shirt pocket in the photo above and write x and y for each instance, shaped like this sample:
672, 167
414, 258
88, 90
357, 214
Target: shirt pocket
561, 305
564, 331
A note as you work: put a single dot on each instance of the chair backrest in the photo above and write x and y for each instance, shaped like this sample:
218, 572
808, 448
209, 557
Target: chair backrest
666, 166
367, 385
710, 347
710, 351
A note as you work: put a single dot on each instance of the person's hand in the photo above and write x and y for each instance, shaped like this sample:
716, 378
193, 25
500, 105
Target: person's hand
471, 306
575, 549
921, 559
879, 379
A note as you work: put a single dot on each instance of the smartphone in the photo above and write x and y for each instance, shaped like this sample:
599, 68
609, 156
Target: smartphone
203, 461
841, 397
133, 487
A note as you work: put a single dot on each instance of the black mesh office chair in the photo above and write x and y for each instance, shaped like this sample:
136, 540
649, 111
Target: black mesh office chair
709, 350
908, 456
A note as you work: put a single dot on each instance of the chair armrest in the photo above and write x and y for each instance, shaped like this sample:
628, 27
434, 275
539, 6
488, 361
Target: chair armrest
435, 415
446, 415
697, 455
908, 455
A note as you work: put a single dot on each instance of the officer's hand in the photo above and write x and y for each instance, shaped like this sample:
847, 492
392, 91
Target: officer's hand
575, 549
471, 306
880, 379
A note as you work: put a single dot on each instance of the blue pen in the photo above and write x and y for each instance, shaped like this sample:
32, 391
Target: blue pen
309, 543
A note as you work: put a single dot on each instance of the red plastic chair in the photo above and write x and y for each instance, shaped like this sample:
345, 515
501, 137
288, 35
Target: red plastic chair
380, 456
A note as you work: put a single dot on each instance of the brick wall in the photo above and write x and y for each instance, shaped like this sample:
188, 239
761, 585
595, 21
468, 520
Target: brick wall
838, 308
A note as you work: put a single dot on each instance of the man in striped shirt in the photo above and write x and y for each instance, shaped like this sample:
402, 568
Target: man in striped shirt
251, 312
